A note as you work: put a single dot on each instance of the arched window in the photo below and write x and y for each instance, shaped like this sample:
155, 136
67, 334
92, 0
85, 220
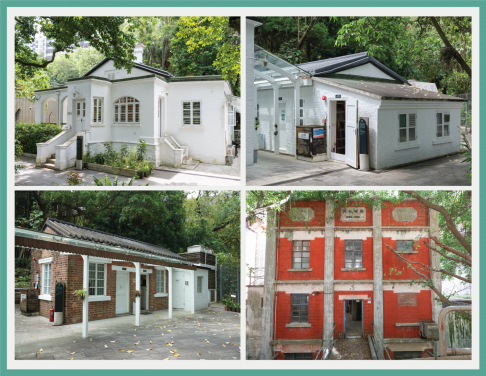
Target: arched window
127, 110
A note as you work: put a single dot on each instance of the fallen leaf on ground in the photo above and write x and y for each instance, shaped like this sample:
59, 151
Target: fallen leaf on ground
106, 346
176, 354
72, 353
151, 342
121, 350
148, 349
130, 351
166, 359
72, 358
113, 341
40, 351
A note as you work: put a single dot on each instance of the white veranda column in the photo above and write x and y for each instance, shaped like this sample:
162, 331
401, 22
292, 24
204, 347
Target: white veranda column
296, 115
169, 270
137, 299
276, 142
85, 301
193, 290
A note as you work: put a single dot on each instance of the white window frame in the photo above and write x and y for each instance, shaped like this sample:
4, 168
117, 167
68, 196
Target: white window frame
117, 106
231, 116
301, 111
46, 289
95, 297
199, 288
258, 111
443, 124
191, 116
160, 284
98, 107
407, 127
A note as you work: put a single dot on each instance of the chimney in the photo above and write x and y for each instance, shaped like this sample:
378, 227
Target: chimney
138, 52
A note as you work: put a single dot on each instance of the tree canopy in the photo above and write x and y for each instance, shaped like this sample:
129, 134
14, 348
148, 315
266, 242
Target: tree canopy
431, 49
454, 243
172, 219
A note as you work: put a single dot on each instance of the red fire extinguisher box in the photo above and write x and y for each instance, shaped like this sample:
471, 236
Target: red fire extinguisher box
51, 315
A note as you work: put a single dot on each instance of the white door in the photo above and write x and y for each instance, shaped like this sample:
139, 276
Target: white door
80, 108
351, 132
282, 127
122, 293
178, 290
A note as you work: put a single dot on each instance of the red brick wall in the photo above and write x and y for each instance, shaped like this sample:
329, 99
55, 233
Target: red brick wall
339, 261
156, 304
394, 268
284, 261
422, 214
319, 219
339, 312
316, 309
368, 222
392, 314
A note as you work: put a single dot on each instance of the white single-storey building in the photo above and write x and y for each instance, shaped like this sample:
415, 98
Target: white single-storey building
180, 118
332, 97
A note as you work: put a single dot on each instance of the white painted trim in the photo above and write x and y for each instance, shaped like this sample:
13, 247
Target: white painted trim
407, 324
161, 295
408, 145
46, 260
131, 270
352, 269
298, 325
443, 140
99, 260
45, 297
98, 298
353, 297
105, 271
353, 287
299, 270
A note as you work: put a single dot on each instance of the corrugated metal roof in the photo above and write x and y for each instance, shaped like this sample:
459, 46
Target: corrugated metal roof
388, 91
70, 230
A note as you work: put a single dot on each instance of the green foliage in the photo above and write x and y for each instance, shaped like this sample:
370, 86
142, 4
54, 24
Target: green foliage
107, 182
74, 179
22, 263
27, 81
81, 294
29, 134
18, 151
205, 46
73, 65
467, 152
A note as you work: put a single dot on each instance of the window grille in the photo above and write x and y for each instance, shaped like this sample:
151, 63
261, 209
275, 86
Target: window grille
298, 356
127, 110
160, 281
46, 278
407, 127
96, 279
191, 113
199, 285
97, 110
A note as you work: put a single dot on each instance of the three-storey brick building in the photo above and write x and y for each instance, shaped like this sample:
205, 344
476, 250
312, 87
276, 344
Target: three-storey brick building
329, 275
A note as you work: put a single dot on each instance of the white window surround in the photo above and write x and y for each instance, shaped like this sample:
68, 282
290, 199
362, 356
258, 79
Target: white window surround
46, 266
161, 295
160, 282
410, 129
44, 260
98, 298
94, 297
44, 297
188, 113
98, 107
445, 127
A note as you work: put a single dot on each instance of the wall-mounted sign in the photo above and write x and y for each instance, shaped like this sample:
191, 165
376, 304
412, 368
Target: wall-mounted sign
353, 214
279, 98
338, 95
124, 268
318, 133
304, 136
283, 116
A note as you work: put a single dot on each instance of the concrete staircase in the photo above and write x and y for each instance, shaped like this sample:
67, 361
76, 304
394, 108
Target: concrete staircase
50, 162
189, 164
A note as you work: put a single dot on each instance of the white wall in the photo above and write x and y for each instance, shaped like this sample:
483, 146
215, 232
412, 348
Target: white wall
201, 300
427, 145
367, 70
206, 142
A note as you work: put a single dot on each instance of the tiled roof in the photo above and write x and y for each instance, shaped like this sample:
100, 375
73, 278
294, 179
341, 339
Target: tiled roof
70, 230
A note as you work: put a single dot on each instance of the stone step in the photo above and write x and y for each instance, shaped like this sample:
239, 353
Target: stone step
50, 160
191, 165
48, 165
53, 156
186, 160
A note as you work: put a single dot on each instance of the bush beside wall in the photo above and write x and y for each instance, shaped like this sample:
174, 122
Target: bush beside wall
29, 134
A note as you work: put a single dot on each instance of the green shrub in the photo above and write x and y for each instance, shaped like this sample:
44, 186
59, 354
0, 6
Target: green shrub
29, 134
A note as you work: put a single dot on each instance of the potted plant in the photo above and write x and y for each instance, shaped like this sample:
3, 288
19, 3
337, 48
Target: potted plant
81, 294
237, 307
137, 294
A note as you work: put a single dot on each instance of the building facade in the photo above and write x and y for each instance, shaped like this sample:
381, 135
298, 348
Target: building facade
112, 282
329, 275
180, 118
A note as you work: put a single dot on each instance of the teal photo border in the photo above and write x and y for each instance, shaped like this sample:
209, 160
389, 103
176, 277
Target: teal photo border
5, 170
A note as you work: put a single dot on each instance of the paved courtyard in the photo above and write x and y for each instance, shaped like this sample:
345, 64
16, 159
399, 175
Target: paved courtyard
212, 334
204, 174
282, 169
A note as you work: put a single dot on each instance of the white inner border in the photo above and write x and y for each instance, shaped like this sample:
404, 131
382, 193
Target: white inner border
264, 11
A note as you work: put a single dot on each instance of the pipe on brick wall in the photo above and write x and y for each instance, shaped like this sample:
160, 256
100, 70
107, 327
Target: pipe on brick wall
442, 337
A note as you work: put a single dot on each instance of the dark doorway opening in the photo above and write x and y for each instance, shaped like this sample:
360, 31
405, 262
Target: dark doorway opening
353, 318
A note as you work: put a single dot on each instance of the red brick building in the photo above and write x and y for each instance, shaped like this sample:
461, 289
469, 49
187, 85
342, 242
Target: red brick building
190, 285
329, 275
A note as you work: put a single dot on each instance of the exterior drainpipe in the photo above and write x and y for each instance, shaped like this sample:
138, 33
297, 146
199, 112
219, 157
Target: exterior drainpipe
85, 301
137, 299
169, 270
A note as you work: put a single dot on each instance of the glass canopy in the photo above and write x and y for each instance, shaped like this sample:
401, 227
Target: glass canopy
261, 55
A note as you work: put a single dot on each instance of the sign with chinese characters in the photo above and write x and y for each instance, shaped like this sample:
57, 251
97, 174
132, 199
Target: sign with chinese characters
353, 214
304, 136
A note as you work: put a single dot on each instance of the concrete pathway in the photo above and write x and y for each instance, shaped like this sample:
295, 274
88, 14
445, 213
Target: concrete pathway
275, 170
351, 349
208, 334
204, 174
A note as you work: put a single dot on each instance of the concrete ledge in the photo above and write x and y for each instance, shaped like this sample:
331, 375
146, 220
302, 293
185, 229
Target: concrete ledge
298, 325
407, 146
353, 269
299, 270
29, 155
298, 282
405, 340
444, 141
98, 298
407, 252
407, 324
296, 342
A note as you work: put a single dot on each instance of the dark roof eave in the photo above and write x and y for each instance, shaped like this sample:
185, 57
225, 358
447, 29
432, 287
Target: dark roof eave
136, 65
387, 98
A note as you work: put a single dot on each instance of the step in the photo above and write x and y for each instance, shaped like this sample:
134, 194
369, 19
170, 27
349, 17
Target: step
53, 156
191, 165
186, 160
49, 165
50, 160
